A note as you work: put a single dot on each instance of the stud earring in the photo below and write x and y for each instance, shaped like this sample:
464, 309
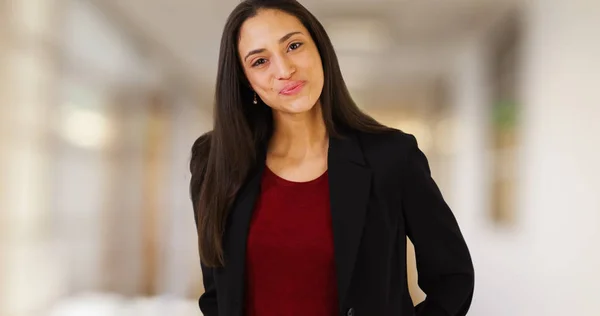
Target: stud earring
255, 101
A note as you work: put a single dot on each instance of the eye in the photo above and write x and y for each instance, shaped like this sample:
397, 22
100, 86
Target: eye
294, 46
259, 62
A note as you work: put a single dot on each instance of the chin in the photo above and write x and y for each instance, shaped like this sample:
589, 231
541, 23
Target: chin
301, 105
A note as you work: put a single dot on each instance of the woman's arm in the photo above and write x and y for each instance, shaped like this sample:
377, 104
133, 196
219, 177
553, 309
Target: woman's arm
208, 300
445, 269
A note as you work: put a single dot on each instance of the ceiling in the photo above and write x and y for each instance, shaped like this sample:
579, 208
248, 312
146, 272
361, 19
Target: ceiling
406, 41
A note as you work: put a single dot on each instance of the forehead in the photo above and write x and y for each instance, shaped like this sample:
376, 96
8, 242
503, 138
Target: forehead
266, 27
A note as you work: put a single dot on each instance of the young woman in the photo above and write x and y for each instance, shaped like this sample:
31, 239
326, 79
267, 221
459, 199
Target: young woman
302, 202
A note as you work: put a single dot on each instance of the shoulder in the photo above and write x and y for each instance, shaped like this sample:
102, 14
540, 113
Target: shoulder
202, 142
200, 149
198, 161
393, 144
389, 153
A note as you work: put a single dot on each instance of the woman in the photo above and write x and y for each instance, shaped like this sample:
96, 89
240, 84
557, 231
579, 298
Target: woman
302, 202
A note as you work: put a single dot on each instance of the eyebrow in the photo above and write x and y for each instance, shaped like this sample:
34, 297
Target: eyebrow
281, 40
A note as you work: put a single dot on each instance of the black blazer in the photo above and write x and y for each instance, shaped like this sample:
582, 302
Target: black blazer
380, 191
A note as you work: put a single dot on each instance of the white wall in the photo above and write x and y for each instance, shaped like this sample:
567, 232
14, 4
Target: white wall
180, 274
27, 77
97, 57
495, 251
549, 263
561, 158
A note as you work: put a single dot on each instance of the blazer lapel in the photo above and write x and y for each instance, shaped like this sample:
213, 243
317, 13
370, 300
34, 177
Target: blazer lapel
234, 242
349, 187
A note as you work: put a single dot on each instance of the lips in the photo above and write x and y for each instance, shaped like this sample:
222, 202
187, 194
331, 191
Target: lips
292, 88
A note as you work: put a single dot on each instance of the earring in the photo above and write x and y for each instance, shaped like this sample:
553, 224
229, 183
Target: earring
255, 101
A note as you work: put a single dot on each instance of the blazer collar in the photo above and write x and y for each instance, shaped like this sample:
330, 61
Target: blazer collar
349, 188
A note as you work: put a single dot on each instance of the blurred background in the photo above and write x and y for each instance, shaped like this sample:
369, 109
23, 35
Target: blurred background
100, 101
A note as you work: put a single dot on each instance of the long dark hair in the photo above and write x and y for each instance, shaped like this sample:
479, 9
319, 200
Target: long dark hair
222, 158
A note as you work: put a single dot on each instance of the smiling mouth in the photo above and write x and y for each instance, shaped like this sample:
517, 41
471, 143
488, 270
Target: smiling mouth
292, 88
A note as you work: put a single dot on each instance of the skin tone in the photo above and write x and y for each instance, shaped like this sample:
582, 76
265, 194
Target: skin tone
283, 65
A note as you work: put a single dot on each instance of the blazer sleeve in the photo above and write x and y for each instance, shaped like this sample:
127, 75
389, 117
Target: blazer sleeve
208, 300
445, 268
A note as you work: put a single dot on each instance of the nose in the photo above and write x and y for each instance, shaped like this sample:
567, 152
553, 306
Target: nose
285, 68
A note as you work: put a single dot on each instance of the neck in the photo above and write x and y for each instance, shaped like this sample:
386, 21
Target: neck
299, 135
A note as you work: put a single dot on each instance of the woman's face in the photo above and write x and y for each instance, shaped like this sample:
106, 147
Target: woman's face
281, 61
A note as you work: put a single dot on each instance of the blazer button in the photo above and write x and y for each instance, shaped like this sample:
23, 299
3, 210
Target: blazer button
350, 312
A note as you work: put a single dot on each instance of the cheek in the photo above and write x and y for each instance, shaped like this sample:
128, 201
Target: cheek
317, 75
261, 83
314, 66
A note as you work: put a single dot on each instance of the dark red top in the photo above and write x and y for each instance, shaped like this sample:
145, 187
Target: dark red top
290, 268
